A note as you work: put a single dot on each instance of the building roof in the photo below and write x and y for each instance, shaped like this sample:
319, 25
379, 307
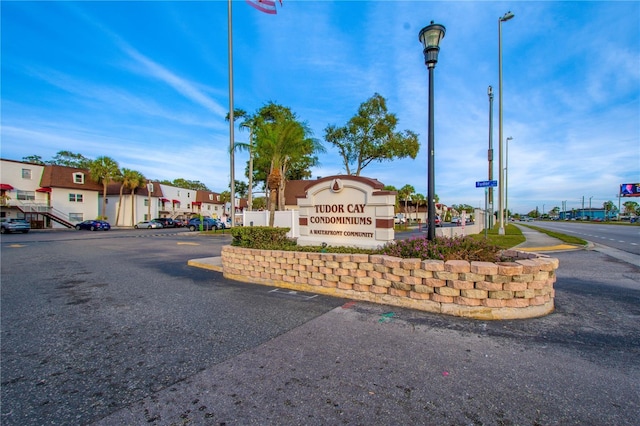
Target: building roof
294, 189
203, 197
55, 176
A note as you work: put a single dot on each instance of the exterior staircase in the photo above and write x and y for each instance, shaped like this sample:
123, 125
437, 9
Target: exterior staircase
44, 210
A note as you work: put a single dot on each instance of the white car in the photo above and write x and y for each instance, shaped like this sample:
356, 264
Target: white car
148, 224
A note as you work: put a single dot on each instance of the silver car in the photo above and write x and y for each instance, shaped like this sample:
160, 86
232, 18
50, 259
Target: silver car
14, 225
148, 224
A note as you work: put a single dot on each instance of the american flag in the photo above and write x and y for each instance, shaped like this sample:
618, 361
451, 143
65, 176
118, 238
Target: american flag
266, 6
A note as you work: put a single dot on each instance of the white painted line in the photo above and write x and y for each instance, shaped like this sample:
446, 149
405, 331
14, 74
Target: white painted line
292, 293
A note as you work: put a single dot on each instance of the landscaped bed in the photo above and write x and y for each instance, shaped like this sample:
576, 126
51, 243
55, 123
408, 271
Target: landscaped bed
487, 283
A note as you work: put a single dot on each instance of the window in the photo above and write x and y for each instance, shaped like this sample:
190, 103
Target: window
75, 198
26, 173
76, 217
25, 195
146, 202
211, 197
208, 207
78, 178
188, 195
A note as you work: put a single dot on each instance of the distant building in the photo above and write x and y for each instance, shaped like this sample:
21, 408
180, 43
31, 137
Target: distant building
588, 214
51, 196
48, 196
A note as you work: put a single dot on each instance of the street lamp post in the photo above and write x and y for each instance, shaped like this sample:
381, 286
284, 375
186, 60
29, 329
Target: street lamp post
490, 154
506, 178
502, 19
430, 37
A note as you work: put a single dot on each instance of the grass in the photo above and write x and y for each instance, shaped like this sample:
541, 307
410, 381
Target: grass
511, 238
562, 237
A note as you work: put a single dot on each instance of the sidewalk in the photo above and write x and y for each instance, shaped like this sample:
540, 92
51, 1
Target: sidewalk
540, 242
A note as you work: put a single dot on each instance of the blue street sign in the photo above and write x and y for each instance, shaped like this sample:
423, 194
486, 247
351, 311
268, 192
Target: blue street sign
485, 183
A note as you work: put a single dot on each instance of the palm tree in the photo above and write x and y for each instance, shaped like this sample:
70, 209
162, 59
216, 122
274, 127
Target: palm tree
103, 170
418, 199
125, 178
282, 142
249, 122
135, 180
120, 178
405, 194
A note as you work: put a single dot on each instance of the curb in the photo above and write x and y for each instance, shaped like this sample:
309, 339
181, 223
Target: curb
210, 263
559, 247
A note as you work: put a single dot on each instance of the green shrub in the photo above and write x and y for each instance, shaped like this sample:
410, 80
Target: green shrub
261, 237
442, 248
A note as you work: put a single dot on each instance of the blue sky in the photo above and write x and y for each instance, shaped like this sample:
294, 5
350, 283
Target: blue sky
146, 83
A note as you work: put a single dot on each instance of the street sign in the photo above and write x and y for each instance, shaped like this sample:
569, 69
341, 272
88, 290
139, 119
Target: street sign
485, 183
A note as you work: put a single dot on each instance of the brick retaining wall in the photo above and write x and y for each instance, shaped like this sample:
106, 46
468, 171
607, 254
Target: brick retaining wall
522, 288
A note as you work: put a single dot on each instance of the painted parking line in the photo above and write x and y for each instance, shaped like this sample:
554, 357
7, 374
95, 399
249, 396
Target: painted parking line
180, 243
292, 293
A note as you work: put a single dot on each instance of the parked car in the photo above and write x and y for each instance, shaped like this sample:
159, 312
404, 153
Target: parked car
148, 224
437, 220
223, 224
93, 225
178, 223
15, 225
208, 224
166, 222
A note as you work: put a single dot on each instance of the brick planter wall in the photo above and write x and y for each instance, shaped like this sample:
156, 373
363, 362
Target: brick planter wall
482, 290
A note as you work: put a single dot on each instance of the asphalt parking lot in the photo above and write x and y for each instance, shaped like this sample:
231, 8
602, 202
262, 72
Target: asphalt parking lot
116, 329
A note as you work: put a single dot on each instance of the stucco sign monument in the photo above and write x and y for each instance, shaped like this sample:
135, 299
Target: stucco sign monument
346, 210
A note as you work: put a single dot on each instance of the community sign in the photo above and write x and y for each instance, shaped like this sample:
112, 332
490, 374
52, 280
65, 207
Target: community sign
346, 210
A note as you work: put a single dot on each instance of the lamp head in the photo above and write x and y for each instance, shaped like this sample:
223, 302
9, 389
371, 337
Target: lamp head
430, 37
507, 16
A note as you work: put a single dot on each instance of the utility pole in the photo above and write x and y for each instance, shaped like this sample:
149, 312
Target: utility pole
490, 154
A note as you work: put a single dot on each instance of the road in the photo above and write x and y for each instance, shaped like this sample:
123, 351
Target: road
112, 328
93, 321
621, 237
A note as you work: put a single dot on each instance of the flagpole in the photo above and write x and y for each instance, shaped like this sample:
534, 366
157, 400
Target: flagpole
232, 185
